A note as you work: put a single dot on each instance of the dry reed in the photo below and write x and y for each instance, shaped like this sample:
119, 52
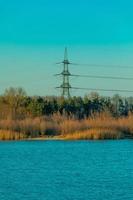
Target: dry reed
101, 126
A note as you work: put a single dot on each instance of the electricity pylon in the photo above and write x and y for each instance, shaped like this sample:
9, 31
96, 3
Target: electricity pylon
65, 86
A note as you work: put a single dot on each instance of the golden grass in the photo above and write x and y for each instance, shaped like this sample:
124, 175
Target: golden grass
94, 134
100, 126
10, 135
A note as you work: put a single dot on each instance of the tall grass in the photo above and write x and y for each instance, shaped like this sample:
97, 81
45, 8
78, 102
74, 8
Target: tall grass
11, 135
100, 126
94, 134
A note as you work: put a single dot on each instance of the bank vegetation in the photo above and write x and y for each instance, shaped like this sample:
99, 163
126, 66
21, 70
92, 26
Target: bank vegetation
90, 117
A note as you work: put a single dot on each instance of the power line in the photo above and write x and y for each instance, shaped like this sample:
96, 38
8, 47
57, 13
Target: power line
98, 77
102, 77
97, 65
65, 86
100, 89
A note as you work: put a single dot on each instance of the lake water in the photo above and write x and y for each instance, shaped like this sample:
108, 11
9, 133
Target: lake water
65, 170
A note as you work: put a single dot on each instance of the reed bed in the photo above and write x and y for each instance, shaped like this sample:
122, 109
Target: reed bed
11, 135
94, 134
100, 126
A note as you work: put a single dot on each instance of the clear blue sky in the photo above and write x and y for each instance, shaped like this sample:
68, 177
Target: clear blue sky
33, 35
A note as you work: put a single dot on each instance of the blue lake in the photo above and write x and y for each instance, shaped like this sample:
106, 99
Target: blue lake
66, 170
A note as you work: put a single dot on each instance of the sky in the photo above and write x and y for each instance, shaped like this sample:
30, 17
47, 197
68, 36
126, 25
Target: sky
33, 35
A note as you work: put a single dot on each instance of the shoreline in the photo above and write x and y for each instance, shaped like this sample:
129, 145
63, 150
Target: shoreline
60, 138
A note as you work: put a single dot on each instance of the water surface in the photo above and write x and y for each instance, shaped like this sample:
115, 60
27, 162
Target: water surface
66, 170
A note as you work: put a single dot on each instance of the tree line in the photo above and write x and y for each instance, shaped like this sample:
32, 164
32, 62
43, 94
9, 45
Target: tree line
16, 104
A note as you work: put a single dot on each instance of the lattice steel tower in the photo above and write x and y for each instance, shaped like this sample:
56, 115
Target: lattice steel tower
65, 86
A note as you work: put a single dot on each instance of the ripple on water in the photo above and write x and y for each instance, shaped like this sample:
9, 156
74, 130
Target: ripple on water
66, 170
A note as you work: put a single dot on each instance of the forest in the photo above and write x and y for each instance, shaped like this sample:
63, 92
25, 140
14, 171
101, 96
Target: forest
23, 116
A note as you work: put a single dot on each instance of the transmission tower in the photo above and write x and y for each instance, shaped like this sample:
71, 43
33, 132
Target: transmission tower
65, 86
